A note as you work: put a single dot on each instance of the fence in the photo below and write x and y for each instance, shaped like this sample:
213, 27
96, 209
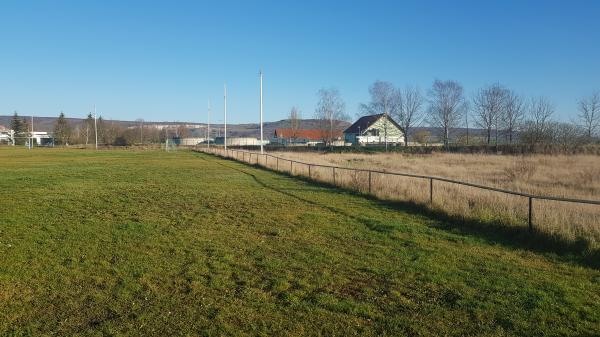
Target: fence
293, 167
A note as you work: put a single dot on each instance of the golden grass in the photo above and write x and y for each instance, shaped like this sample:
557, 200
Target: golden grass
571, 176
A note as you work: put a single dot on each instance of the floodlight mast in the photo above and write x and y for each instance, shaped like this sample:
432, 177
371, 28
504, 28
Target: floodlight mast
225, 115
31, 140
208, 126
95, 127
261, 113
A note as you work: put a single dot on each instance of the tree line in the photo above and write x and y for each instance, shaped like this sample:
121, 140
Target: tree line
504, 115
110, 132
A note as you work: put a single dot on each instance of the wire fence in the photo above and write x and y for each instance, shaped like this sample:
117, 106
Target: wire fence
584, 220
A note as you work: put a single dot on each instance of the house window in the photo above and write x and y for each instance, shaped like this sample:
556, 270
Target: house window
373, 132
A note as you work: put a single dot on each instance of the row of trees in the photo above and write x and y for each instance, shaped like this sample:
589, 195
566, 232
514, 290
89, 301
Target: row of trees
67, 132
500, 112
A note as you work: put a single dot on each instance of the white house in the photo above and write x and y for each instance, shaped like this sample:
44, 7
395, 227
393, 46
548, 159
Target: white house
374, 129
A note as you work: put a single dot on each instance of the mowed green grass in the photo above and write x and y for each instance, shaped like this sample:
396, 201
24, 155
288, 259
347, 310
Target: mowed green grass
150, 243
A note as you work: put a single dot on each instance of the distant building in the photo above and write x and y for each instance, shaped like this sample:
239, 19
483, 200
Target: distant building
40, 138
239, 141
374, 129
191, 141
304, 137
5, 136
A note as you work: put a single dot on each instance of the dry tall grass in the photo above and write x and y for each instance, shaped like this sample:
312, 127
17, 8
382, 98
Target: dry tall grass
571, 176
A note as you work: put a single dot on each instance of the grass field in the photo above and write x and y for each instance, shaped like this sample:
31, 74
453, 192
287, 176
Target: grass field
169, 244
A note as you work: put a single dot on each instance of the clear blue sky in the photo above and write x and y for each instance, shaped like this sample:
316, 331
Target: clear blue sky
163, 60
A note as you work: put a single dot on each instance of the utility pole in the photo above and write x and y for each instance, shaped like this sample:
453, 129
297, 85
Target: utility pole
225, 114
208, 126
95, 127
261, 113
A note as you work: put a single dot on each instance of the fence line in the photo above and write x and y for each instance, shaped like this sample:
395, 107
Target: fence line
235, 154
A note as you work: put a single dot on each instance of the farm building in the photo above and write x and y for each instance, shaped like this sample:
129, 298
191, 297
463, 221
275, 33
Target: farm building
304, 137
374, 129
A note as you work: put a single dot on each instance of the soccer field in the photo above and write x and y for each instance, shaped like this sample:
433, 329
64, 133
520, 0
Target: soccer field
149, 243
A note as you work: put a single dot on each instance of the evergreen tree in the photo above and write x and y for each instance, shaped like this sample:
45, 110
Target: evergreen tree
89, 129
19, 126
62, 130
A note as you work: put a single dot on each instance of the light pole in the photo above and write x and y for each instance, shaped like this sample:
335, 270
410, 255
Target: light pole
225, 115
208, 126
261, 113
31, 140
95, 127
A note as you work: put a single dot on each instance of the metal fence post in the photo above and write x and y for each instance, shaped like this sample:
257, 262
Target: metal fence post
309, 173
334, 176
431, 191
277, 163
291, 167
369, 182
530, 216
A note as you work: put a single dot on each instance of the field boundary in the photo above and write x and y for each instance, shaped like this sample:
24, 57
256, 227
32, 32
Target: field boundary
247, 157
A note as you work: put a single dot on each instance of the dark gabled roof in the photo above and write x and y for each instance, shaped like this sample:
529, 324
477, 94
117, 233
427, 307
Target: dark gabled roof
365, 122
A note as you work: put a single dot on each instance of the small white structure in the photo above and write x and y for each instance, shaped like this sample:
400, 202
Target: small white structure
6, 136
239, 141
42, 138
192, 141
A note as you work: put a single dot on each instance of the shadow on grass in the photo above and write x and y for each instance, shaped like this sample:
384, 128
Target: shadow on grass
492, 232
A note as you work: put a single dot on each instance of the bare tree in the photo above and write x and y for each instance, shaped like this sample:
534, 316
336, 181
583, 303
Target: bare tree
446, 106
410, 113
513, 115
330, 110
566, 135
294, 121
589, 113
488, 106
386, 100
538, 128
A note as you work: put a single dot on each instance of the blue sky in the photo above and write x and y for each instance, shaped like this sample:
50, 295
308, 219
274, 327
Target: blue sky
163, 60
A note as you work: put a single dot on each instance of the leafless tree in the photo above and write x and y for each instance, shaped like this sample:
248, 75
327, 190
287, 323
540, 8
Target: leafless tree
386, 100
330, 110
294, 121
537, 128
446, 106
513, 115
567, 135
410, 113
488, 107
589, 113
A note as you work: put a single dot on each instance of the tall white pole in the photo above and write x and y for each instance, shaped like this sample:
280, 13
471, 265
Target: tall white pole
225, 113
31, 140
261, 115
208, 126
95, 127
